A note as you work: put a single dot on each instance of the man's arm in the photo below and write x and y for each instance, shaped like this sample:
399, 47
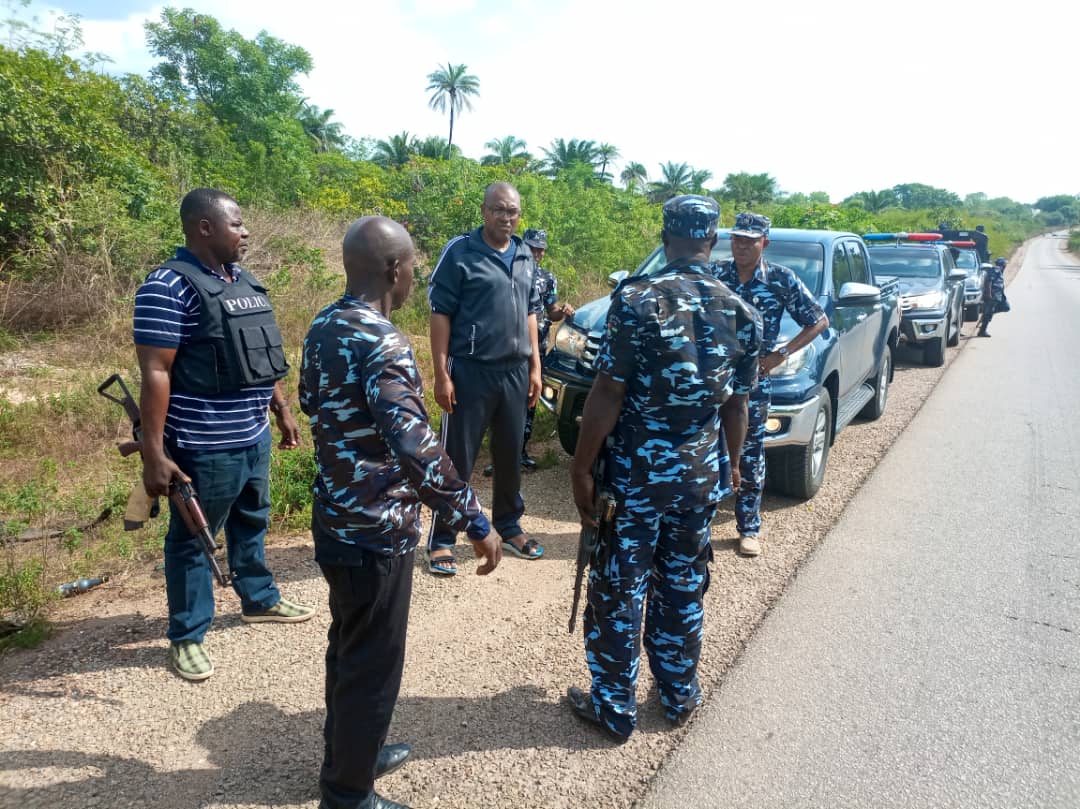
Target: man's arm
800, 340
286, 422
155, 365
440, 356
534, 362
598, 419
735, 417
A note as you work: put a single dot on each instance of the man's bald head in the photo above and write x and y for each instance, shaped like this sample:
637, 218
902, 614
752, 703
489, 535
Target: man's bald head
496, 191
378, 254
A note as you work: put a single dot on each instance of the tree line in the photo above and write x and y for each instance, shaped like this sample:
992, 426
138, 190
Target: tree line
92, 166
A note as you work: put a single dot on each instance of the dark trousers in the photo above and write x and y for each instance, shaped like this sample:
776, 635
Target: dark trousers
489, 395
234, 488
365, 654
989, 307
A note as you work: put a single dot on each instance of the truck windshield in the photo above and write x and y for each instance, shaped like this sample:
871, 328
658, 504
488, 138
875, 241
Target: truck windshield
904, 262
805, 258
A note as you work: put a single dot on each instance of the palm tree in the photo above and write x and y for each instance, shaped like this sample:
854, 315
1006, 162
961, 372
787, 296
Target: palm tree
605, 153
436, 148
634, 176
326, 134
675, 179
748, 191
877, 201
698, 178
396, 151
564, 154
504, 150
451, 87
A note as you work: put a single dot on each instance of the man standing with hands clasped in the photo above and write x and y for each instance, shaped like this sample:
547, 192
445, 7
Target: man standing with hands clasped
772, 290
377, 461
486, 353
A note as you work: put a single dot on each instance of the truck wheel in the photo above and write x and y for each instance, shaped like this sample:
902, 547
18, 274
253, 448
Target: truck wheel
876, 406
799, 471
934, 353
568, 433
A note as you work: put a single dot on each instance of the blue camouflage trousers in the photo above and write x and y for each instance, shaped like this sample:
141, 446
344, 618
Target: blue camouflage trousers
658, 561
752, 462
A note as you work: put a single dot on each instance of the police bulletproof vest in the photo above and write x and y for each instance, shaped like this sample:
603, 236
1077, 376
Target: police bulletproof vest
236, 344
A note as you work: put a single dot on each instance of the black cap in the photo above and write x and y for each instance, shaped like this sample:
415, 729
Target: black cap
1000, 261
691, 216
535, 237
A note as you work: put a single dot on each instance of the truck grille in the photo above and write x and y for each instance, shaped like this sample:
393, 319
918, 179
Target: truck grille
592, 346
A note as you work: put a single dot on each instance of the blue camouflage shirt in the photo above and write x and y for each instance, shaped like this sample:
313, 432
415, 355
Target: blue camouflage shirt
679, 340
547, 293
995, 284
377, 458
773, 290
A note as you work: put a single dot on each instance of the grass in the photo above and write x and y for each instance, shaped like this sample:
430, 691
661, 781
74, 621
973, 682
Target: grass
59, 468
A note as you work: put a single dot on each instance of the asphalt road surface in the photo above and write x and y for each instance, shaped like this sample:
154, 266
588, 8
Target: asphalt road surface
928, 655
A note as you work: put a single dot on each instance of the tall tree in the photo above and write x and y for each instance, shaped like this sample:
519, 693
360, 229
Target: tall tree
451, 88
875, 201
505, 150
749, 190
634, 177
675, 179
325, 133
698, 178
565, 153
436, 148
395, 151
605, 153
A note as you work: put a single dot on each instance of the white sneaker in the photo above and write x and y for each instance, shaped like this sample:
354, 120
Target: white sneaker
749, 546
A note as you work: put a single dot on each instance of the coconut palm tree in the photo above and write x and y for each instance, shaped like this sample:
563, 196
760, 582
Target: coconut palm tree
675, 179
606, 153
634, 177
504, 150
436, 148
564, 154
451, 88
698, 178
396, 151
748, 191
326, 134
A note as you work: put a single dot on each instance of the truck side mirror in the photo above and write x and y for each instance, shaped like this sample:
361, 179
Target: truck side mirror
616, 278
854, 292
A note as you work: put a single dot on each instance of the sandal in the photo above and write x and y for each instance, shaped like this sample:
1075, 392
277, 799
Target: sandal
443, 565
531, 549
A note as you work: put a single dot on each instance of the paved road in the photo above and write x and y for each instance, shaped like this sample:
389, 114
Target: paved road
928, 655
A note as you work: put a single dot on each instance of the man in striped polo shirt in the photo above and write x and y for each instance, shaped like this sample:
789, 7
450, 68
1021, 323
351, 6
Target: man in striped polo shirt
211, 359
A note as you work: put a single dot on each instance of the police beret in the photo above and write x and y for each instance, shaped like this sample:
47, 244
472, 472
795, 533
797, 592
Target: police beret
691, 216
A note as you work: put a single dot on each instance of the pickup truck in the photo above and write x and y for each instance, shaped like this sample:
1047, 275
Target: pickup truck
818, 390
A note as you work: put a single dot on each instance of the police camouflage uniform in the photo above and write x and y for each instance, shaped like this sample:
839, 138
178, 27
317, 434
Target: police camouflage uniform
547, 291
377, 460
995, 281
678, 340
773, 290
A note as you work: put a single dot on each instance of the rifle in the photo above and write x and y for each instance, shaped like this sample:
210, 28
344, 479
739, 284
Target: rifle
141, 507
591, 539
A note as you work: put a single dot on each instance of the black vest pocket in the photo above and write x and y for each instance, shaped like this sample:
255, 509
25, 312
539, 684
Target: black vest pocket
263, 353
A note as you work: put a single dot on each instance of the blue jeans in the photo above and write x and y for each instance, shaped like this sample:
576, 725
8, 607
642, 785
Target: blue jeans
234, 488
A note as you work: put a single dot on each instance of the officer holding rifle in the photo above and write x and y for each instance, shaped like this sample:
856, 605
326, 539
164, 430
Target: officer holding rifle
676, 343
211, 359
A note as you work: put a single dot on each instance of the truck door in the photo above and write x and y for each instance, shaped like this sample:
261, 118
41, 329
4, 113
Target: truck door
873, 315
845, 321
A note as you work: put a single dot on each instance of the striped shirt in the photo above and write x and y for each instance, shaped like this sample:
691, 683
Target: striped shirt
167, 312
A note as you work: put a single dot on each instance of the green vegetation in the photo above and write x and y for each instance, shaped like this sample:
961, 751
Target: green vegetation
92, 168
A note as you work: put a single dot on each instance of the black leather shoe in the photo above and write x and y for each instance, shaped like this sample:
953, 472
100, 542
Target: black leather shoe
489, 470
682, 718
391, 757
582, 706
527, 462
379, 802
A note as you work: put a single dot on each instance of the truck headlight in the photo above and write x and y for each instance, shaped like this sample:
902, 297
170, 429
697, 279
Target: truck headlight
570, 341
794, 363
929, 300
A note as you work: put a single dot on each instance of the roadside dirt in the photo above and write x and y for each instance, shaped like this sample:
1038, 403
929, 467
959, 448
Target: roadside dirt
94, 717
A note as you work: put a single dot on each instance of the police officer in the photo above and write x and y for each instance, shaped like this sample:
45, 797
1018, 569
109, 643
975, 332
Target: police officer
211, 359
673, 343
377, 460
772, 290
993, 295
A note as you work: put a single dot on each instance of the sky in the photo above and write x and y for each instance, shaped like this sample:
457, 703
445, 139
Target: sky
832, 96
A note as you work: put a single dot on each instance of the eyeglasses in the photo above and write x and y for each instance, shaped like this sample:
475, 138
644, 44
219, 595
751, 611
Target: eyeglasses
509, 213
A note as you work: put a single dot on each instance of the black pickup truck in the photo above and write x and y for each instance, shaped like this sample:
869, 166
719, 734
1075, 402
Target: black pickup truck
818, 390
